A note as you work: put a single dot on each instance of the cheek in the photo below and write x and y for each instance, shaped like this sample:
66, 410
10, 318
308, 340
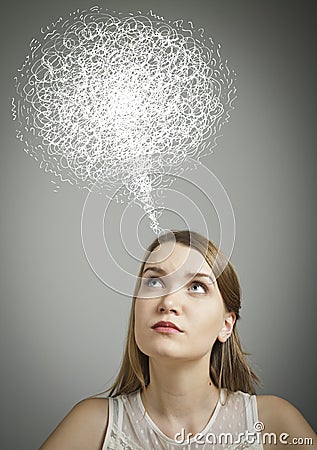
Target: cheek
137, 315
212, 320
140, 319
140, 310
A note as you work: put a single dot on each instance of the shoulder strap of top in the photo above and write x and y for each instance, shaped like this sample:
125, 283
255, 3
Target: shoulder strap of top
115, 418
251, 408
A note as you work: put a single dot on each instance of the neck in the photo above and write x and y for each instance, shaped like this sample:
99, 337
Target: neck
175, 389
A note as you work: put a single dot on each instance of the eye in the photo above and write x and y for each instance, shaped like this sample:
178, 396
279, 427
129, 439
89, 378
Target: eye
198, 288
153, 282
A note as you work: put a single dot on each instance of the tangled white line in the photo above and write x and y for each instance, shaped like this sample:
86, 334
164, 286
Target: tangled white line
121, 100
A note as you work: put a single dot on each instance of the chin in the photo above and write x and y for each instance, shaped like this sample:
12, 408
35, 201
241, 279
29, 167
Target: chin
166, 351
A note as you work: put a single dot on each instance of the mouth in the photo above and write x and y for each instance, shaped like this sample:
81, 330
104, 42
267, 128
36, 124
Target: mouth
166, 327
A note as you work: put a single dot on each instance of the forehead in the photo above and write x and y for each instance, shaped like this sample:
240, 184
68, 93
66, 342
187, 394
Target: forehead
172, 257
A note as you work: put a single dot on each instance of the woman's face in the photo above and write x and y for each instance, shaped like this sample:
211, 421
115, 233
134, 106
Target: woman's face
179, 311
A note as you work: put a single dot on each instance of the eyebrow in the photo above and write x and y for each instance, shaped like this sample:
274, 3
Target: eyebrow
155, 269
161, 271
199, 274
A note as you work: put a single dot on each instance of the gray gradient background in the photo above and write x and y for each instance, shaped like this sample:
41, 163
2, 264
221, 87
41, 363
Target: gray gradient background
62, 330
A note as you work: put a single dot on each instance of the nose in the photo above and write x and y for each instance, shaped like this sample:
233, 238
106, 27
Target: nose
170, 304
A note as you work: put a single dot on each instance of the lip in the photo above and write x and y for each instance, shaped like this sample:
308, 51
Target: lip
166, 327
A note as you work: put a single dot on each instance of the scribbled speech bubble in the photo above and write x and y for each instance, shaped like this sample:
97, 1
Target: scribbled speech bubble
110, 99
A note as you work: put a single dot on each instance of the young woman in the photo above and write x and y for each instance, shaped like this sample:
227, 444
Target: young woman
184, 382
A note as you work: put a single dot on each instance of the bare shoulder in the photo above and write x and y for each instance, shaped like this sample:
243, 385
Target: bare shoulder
83, 428
282, 418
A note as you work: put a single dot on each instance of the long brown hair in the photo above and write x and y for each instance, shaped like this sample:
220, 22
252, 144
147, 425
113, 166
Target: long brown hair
229, 367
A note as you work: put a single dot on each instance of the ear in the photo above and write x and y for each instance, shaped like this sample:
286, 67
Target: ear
227, 328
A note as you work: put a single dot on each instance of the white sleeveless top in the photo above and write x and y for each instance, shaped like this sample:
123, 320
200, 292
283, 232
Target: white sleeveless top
234, 425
